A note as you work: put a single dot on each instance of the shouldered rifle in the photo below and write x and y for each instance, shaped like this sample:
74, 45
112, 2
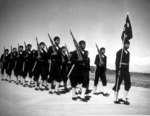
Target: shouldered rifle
18, 51
38, 48
49, 61
11, 55
39, 54
53, 46
4, 58
26, 49
76, 46
46, 47
4, 49
68, 53
100, 56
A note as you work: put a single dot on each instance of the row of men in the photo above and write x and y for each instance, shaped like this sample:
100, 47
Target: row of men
56, 66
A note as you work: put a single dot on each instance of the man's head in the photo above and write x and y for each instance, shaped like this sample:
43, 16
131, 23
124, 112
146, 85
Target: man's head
63, 49
20, 48
42, 45
6, 51
29, 46
102, 50
126, 44
82, 44
57, 40
14, 49
34, 51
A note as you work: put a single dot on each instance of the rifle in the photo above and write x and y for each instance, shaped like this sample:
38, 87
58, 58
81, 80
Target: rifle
24, 63
39, 54
68, 53
26, 49
70, 70
11, 57
38, 48
4, 58
46, 47
77, 47
100, 56
53, 45
18, 51
4, 49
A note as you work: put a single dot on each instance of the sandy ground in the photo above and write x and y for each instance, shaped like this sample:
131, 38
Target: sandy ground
16, 100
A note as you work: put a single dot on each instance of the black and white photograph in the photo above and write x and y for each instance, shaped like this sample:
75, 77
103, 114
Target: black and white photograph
74, 57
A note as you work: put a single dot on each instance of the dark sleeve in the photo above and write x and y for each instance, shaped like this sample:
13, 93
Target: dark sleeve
96, 60
34, 55
105, 62
118, 56
24, 55
66, 58
1, 57
129, 57
74, 57
50, 51
88, 67
9, 57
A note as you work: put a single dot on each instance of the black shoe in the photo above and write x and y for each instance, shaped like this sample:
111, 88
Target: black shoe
105, 94
29, 86
63, 92
41, 89
2, 79
96, 93
78, 93
36, 89
101, 93
87, 97
57, 92
124, 101
121, 100
84, 99
46, 88
50, 92
74, 98
9, 81
88, 91
24, 85
117, 102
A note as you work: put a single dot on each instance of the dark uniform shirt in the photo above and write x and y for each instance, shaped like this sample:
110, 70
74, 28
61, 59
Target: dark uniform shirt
81, 65
125, 60
97, 62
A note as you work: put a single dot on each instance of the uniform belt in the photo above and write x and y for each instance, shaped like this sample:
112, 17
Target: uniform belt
124, 63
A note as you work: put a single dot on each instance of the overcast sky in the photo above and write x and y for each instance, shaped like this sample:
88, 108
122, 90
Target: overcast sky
95, 21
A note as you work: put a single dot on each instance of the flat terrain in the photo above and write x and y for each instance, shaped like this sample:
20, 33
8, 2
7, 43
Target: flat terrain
137, 79
16, 100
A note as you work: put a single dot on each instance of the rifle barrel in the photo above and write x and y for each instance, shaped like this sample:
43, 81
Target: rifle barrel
76, 46
53, 46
